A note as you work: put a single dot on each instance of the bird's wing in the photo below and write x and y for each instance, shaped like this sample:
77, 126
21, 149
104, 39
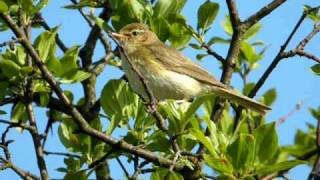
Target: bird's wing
174, 61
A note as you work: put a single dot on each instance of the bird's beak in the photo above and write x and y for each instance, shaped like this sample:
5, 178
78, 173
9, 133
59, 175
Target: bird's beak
117, 36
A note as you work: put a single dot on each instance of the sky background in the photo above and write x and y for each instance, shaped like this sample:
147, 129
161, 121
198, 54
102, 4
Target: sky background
292, 78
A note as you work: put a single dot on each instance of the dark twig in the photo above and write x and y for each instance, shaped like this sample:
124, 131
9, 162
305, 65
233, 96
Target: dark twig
123, 168
7, 43
6, 162
214, 54
61, 154
301, 53
277, 59
263, 12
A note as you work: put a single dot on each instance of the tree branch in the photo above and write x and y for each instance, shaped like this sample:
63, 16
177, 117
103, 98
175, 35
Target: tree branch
276, 60
263, 12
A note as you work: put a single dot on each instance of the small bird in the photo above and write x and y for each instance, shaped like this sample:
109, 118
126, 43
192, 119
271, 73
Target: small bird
169, 74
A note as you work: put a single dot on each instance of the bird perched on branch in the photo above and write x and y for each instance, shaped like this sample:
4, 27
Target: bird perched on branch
168, 74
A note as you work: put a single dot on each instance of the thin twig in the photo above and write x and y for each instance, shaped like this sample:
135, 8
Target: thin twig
7, 43
214, 54
263, 12
123, 168
61, 154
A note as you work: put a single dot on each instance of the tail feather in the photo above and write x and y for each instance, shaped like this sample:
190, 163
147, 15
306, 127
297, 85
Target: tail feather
242, 100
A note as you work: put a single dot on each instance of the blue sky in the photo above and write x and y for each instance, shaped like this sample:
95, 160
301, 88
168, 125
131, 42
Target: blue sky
292, 78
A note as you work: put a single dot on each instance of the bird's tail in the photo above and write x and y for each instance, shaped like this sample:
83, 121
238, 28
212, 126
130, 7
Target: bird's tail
241, 100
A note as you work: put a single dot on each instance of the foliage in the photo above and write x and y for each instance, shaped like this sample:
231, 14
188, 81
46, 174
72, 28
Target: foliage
247, 150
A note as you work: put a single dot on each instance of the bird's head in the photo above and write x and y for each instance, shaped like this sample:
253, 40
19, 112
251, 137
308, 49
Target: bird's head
134, 35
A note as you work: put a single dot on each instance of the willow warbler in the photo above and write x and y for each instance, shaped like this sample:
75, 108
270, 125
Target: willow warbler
169, 74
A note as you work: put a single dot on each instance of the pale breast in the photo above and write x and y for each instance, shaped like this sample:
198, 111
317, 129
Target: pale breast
164, 84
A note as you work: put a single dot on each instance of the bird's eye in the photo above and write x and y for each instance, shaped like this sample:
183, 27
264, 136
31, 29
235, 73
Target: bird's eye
134, 33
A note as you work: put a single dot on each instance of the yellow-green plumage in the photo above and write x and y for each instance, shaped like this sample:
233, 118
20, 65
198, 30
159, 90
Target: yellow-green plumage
168, 73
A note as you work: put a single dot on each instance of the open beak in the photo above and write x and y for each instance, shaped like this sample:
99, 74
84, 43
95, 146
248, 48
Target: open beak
117, 36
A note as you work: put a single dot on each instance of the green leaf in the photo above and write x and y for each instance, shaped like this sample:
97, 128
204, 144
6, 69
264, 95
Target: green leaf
266, 142
79, 175
264, 170
199, 135
82, 4
164, 8
44, 99
249, 86
160, 26
227, 27
252, 31
195, 46
9, 68
74, 76
269, 97
26, 5
179, 34
18, 114
45, 43
120, 103
221, 165
249, 53
215, 40
315, 113
313, 13
201, 56
3, 89
162, 173
102, 24
69, 60
41, 4
206, 14
241, 152
3, 7
54, 65
316, 69
72, 141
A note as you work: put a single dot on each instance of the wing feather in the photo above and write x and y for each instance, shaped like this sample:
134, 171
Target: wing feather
174, 61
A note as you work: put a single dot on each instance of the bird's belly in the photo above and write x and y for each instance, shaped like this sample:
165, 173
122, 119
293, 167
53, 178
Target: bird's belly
164, 84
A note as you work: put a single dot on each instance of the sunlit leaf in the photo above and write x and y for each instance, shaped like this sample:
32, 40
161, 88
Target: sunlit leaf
206, 14
266, 142
3, 7
164, 8
316, 69
252, 31
279, 167
45, 43
241, 152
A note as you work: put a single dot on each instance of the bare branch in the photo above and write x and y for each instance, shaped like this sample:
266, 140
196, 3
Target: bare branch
233, 12
61, 154
263, 12
277, 59
301, 53
214, 54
